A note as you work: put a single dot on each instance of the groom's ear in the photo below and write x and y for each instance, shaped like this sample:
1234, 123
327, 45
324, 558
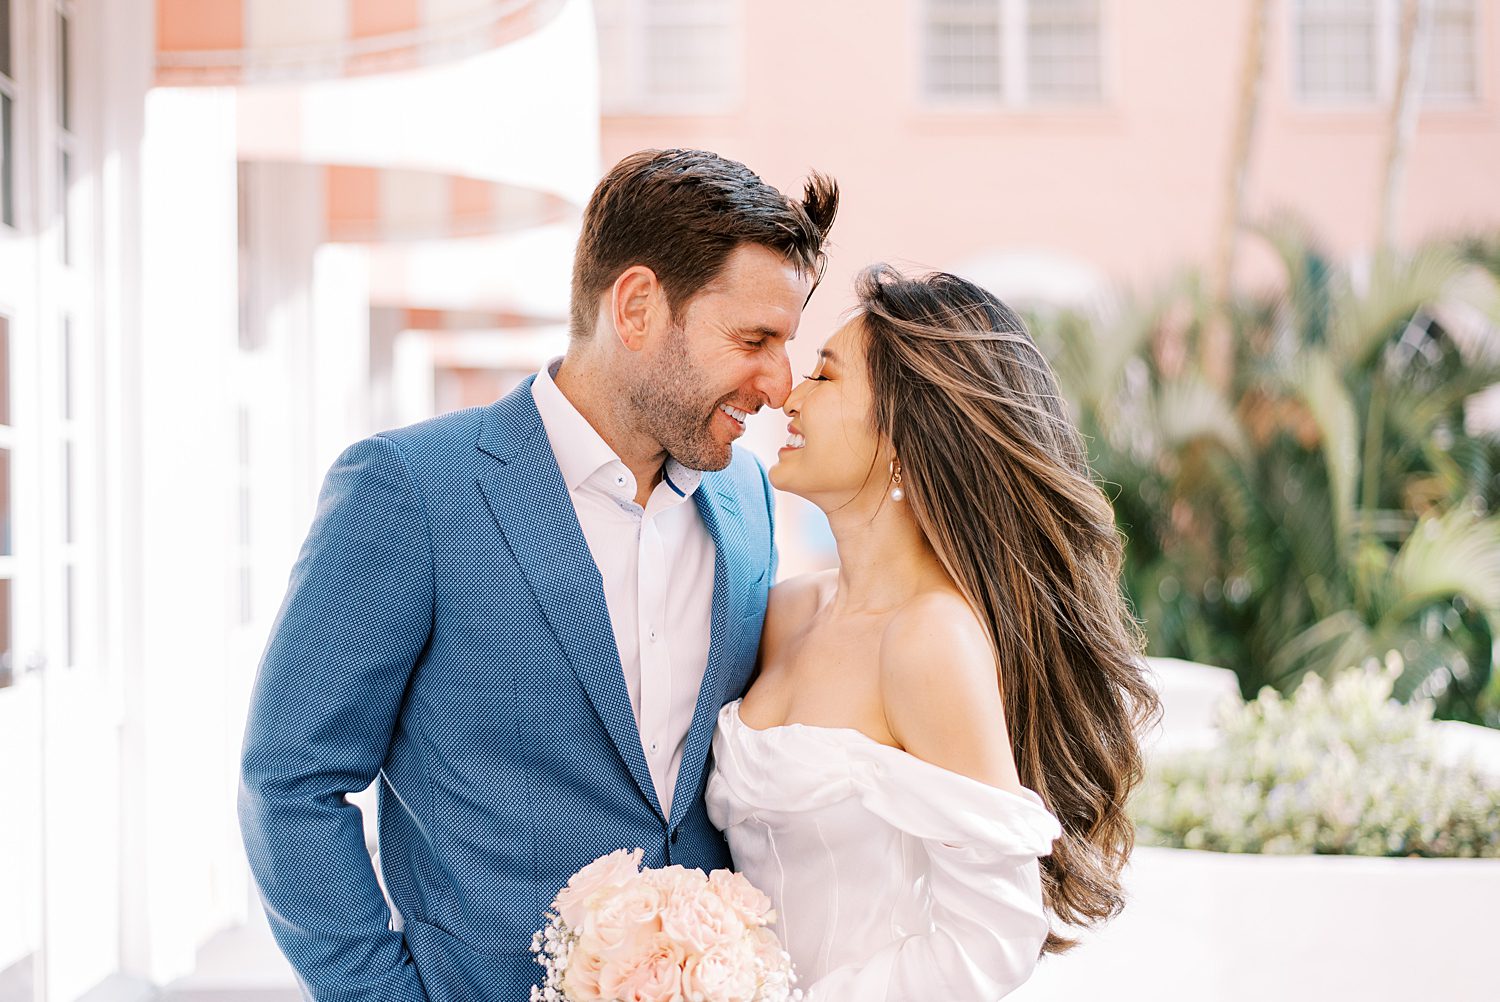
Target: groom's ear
636, 302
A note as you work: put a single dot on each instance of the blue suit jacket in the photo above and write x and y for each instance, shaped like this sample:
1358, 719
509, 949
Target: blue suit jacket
445, 630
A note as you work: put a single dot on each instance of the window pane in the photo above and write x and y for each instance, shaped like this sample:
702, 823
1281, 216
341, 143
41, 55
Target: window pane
5, 37
242, 436
4, 370
687, 61
688, 49
65, 172
1336, 49
64, 72
7, 168
1062, 50
655, 53
244, 513
5, 503
1452, 70
67, 368
67, 491
614, 54
247, 612
70, 617
249, 333
7, 651
962, 53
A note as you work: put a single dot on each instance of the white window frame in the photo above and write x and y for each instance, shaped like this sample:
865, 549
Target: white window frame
72, 571
67, 141
1015, 84
1476, 44
10, 87
9, 564
629, 95
1386, 56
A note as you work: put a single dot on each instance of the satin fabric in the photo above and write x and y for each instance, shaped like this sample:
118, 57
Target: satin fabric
893, 879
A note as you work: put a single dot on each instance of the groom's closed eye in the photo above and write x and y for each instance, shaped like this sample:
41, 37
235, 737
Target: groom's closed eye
758, 335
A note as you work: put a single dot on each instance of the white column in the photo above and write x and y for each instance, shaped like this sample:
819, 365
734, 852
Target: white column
187, 472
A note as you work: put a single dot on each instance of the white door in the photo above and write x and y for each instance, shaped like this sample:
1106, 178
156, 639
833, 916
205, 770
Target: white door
59, 717
21, 702
22, 853
81, 716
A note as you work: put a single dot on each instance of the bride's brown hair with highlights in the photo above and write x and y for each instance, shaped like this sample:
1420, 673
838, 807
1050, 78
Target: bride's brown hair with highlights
998, 480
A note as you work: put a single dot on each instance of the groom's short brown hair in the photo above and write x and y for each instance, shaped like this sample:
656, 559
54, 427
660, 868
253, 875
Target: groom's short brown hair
680, 213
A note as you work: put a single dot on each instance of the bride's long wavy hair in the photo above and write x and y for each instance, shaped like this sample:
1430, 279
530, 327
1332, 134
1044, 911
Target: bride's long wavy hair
997, 478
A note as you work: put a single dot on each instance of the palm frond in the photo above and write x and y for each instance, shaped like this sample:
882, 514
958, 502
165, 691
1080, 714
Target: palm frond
1456, 553
1398, 286
1188, 410
1317, 383
1329, 641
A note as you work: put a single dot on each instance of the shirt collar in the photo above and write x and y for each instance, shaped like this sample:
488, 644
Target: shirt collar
580, 451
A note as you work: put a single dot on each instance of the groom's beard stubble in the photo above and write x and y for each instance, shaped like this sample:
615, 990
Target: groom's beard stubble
664, 406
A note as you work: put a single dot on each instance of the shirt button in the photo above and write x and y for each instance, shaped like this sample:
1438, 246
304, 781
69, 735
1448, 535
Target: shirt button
653, 746
653, 634
619, 481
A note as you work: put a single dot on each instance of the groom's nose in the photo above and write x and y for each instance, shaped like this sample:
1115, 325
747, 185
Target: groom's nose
775, 379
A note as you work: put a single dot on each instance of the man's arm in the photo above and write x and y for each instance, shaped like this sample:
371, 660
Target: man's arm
357, 614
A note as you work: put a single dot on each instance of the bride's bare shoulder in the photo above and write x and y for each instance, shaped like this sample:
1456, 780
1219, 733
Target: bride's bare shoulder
794, 601
791, 606
941, 691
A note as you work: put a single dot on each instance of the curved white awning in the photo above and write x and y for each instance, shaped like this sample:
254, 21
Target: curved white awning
232, 42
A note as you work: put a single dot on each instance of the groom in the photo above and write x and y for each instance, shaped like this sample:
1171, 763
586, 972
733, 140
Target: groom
521, 620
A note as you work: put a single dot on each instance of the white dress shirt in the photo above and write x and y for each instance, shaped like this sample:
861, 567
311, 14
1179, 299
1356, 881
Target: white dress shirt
657, 563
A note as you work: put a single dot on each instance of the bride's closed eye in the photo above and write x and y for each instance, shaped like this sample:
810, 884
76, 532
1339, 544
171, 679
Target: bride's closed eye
817, 379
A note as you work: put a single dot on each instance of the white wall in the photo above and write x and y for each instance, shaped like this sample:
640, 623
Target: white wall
187, 456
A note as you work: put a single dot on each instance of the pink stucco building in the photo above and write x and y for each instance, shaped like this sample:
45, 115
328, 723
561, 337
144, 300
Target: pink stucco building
1037, 143
1056, 149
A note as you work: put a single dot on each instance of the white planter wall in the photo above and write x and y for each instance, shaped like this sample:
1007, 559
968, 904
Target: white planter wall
1220, 927
1216, 927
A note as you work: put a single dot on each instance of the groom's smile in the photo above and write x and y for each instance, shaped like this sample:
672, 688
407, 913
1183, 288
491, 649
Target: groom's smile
730, 346
736, 416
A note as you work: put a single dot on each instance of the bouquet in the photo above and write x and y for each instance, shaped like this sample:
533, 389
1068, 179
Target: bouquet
618, 933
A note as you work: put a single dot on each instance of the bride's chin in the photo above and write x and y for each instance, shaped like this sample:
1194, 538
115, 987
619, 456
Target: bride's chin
782, 478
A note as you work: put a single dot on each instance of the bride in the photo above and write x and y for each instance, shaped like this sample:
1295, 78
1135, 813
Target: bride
933, 760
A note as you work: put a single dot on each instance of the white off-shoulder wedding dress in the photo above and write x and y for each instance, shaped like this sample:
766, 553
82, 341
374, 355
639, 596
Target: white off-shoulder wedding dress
895, 880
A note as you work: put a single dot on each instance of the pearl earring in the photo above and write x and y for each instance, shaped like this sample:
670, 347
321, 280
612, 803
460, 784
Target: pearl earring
897, 492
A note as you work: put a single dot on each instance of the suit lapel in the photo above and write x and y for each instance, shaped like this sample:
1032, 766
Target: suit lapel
719, 509
526, 494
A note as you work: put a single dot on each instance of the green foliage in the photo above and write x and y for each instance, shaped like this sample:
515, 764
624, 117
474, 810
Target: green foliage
1337, 768
1332, 503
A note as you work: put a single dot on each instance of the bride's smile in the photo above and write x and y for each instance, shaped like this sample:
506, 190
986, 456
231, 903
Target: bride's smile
833, 455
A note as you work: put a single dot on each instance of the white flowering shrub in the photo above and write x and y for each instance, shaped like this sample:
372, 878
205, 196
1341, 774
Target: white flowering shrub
1336, 768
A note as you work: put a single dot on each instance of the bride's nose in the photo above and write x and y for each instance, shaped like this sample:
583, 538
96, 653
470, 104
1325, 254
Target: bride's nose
793, 402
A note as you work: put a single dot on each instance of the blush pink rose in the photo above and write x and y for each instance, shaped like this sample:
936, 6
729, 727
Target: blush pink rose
699, 919
581, 980
676, 879
624, 922
603, 874
747, 901
654, 976
725, 973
